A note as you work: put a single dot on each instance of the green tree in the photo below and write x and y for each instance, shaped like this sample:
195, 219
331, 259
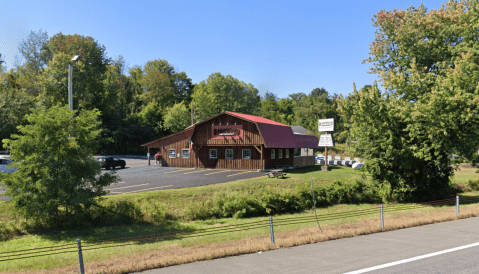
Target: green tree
14, 105
177, 117
279, 110
221, 93
88, 72
31, 49
57, 176
307, 109
162, 84
2, 69
269, 106
427, 62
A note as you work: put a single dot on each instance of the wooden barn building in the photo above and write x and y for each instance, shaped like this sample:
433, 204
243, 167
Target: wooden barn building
234, 141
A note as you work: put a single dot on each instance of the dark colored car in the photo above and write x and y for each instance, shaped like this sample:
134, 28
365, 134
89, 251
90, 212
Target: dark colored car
111, 162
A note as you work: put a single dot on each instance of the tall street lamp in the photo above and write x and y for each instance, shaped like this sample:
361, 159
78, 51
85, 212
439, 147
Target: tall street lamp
70, 85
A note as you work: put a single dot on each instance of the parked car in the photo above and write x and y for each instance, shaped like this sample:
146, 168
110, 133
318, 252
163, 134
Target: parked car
320, 160
357, 165
4, 166
111, 162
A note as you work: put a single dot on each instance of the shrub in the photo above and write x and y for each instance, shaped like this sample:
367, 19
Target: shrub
473, 184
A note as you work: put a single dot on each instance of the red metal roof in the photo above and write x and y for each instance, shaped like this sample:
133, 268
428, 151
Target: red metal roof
275, 135
256, 119
306, 141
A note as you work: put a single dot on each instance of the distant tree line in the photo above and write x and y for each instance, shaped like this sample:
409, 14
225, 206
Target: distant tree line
140, 103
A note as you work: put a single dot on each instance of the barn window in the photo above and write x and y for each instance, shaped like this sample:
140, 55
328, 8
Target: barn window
280, 154
287, 153
172, 153
229, 154
246, 153
186, 153
213, 154
273, 154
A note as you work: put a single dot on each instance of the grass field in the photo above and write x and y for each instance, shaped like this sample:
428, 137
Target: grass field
157, 205
465, 174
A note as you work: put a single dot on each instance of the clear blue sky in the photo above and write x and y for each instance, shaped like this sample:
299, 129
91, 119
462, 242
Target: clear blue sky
279, 46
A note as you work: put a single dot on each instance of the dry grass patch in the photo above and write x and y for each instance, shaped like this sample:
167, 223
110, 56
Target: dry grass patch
175, 254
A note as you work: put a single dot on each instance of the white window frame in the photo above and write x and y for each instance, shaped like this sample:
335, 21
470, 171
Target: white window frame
232, 154
174, 153
280, 154
273, 154
247, 157
216, 154
287, 153
187, 151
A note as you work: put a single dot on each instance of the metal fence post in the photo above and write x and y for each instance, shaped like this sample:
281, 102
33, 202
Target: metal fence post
457, 206
80, 257
271, 230
381, 209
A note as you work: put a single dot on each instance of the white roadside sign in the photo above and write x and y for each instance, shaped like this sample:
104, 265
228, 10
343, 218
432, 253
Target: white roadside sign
325, 125
326, 140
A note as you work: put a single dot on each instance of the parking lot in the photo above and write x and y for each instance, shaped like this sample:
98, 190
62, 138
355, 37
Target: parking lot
139, 177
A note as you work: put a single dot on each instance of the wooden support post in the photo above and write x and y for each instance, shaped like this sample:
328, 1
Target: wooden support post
148, 154
196, 154
262, 158
325, 167
326, 156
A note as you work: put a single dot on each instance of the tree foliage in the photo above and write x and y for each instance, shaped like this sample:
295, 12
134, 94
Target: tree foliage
13, 108
57, 176
88, 72
32, 48
221, 93
178, 117
427, 62
163, 85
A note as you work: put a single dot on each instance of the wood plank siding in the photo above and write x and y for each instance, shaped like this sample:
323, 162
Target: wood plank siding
178, 161
203, 132
236, 163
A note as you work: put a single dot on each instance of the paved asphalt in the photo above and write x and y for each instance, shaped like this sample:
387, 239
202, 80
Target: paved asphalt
358, 253
139, 177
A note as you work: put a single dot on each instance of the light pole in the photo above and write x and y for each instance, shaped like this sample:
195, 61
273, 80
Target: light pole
70, 85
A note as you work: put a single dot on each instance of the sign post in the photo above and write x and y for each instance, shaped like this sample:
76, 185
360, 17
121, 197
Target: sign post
326, 140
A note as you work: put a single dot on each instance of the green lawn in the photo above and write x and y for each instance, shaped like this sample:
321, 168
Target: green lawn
465, 173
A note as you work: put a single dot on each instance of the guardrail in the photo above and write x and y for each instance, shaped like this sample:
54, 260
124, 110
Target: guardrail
262, 224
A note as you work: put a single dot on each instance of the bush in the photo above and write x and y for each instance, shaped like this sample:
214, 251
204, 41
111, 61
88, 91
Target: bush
473, 184
457, 161
283, 201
